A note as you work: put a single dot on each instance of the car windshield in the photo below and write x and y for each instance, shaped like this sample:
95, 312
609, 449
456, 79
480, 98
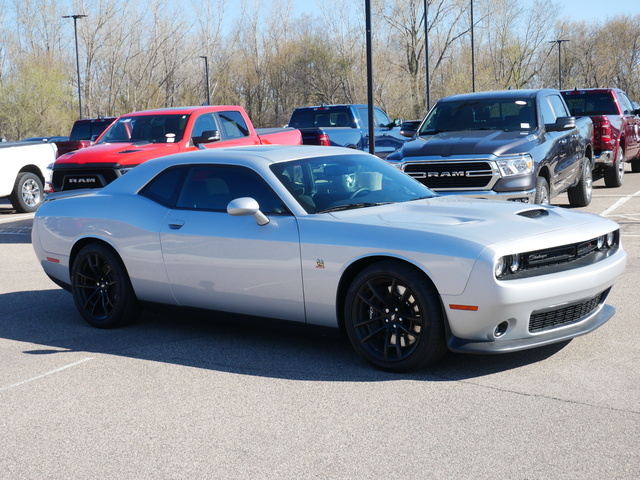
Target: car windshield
344, 182
165, 128
509, 114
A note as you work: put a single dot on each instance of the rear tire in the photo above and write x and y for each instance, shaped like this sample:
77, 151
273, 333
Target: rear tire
101, 288
394, 318
580, 194
614, 174
27, 193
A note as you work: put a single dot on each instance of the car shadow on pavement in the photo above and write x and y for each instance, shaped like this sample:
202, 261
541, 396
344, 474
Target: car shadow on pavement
222, 342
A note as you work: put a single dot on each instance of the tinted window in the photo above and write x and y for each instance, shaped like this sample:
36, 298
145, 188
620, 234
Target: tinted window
481, 114
165, 128
165, 187
586, 104
380, 119
204, 123
233, 125
212, 187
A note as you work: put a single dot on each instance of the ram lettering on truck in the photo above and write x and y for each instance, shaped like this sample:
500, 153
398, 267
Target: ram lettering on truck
616, 129
347, 126
23, 172
140, 136
518, 145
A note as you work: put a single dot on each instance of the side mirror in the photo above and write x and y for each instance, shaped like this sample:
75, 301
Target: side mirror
561, 124
397, 122
409, 128
244, 206
208, 136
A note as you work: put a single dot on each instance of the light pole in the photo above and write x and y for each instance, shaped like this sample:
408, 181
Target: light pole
75, 32
206, 76
426, 51
559, 42
473, 55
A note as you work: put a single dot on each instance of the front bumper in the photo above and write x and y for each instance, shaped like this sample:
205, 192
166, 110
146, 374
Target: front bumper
507, 310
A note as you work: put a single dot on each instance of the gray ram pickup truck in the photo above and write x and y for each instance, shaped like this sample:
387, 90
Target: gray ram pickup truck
518, 145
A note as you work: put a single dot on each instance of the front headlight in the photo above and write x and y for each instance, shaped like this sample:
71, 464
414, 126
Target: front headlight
518, 165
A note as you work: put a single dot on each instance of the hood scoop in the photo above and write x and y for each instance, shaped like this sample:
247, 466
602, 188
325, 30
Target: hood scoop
534, 213
130, 151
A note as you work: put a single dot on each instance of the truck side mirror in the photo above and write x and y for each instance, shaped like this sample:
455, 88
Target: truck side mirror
561, 124
208, 136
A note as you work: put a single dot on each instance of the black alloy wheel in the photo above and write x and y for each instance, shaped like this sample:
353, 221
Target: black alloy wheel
101, 288
394, 318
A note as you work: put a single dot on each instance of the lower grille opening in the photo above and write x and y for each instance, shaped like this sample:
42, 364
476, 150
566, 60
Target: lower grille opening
565, 315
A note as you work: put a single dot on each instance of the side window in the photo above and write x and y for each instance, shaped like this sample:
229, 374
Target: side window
547, 113
212, 187
164, 188
380, 118
233, 125
204, 123
558, 106
626, 105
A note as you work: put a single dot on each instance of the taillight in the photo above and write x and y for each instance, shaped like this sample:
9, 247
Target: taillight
323, 139
605, 129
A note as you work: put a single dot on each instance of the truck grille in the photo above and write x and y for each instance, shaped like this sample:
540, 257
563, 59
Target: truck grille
565, 315
71, 179
454, 175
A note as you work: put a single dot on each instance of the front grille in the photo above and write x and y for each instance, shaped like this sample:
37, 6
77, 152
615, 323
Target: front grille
453, 175
566, 315
72, 178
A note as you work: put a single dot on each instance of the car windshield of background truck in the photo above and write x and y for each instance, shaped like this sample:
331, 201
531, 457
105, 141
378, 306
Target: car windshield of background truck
510, 114
146, 129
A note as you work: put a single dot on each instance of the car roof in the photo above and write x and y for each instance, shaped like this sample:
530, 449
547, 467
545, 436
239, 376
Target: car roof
497, 94
182, 110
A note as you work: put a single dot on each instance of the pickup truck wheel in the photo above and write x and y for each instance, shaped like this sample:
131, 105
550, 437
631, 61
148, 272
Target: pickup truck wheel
614, 175
394, 318
27, 193
635, 165
542, 191
101, 288
580, 194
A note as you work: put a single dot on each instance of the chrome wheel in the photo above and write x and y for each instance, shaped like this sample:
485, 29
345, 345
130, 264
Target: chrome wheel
27, 193
31, 193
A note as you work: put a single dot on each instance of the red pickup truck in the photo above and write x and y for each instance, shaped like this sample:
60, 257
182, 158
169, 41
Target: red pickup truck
616, 129
140, 136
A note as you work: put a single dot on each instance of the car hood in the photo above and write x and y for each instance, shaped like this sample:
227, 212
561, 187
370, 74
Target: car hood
477, 142
119, 153
481, 222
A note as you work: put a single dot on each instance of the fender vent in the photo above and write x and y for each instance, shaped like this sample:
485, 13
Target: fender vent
534, 213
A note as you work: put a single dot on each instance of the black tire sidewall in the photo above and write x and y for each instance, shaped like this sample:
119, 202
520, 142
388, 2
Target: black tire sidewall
126, 303
432, 345
16, 195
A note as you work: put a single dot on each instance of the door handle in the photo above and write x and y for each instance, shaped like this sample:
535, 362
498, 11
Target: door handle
176, 224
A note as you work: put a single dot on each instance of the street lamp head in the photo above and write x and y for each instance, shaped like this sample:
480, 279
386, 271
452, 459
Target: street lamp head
75, 17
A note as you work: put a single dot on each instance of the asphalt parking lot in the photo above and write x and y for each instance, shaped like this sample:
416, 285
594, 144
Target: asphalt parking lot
178, 397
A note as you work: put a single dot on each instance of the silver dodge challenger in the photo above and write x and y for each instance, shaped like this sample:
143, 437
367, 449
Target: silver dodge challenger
332, 237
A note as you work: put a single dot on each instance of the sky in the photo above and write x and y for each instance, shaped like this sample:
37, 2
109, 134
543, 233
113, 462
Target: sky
577, 10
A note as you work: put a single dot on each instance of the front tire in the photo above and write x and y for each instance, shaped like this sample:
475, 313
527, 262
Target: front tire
101, 288
614, 175
580, 194
542, 192
27, 193
394, 318
635, 165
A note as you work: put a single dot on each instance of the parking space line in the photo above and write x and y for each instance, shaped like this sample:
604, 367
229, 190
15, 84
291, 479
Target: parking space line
620, 202
46, 374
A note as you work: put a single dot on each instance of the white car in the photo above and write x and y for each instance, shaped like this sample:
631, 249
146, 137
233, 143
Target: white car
332, 237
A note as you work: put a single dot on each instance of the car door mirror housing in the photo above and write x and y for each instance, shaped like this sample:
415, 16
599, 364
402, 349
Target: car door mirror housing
244, 206
562, 123
208, 136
